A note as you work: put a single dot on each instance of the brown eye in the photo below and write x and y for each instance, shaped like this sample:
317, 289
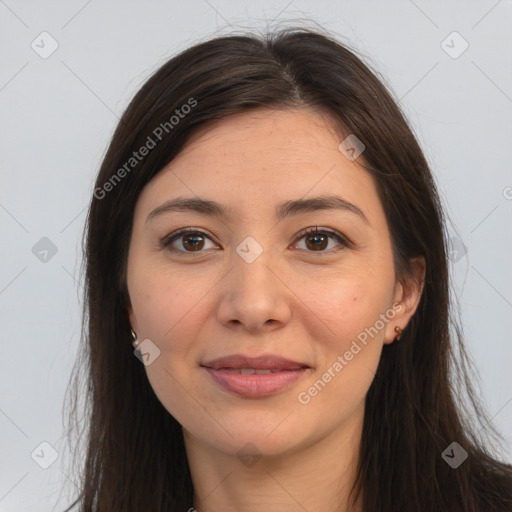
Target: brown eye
189, 240
317, 240
193, 242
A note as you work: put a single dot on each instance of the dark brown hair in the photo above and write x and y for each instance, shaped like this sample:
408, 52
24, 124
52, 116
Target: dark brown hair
416, 406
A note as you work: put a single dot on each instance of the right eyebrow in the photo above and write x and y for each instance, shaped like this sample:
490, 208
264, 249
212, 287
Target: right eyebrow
196, 205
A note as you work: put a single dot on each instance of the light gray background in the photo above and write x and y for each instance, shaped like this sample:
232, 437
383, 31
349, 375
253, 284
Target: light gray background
56, 117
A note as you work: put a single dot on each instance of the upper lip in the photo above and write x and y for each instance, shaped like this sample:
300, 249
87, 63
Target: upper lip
269, 362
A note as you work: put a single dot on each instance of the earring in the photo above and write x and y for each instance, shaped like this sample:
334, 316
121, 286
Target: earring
398, 330
135, 341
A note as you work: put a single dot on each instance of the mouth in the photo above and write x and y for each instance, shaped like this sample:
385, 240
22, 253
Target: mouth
255, 377
266, 362
252, 371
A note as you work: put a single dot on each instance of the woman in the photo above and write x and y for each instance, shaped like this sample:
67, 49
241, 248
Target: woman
266, 231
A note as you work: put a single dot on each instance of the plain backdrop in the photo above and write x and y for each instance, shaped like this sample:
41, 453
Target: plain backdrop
68, 69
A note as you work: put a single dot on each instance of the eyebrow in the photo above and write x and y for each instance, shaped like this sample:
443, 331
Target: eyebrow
288, 208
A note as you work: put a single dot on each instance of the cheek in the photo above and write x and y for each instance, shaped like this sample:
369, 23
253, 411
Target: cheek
350, 306
168, 310
163, 302
348, 355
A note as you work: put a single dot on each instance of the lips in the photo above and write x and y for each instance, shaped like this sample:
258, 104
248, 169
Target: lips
255, 377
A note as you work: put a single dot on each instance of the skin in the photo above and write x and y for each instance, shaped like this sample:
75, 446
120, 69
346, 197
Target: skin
295, 301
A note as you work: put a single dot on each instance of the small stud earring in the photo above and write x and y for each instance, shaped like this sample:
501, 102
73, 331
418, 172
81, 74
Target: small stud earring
398, 330
135, 341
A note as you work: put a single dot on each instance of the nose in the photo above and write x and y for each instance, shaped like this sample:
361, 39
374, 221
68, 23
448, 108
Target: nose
254, 296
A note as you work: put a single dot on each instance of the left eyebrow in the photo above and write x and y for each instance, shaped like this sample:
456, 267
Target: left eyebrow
288, 208
314, 204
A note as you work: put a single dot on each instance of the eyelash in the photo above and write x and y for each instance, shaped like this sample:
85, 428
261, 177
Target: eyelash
169, 239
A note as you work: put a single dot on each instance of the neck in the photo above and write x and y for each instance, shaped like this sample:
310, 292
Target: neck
318, 476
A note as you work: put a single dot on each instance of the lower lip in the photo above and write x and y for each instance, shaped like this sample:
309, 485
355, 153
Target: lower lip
255, 385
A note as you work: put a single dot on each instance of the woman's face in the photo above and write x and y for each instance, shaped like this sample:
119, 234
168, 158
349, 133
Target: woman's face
253, 283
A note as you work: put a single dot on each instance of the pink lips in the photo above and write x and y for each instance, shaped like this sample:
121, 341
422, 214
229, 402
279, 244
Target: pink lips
255, 377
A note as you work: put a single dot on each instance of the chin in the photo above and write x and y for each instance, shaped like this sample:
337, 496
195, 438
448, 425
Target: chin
271, 437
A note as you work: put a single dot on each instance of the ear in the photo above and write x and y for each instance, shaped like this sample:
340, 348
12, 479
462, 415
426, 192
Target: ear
408, 296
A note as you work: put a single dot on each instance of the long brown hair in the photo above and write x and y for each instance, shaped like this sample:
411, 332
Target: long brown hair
416, 407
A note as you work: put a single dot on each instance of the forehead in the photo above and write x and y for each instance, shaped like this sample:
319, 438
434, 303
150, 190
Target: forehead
254, 160
273, 135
